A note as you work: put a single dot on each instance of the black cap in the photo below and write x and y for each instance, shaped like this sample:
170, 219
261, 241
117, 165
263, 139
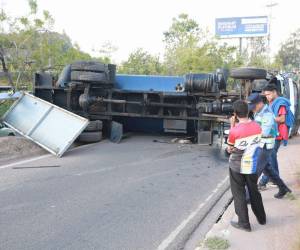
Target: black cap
253, 99
270, 87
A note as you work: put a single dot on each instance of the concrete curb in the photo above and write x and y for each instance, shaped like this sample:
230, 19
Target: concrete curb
185, 235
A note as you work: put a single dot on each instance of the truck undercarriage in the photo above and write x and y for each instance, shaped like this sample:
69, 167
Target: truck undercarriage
197, 105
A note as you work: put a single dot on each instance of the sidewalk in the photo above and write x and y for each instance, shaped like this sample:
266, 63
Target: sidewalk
282, 231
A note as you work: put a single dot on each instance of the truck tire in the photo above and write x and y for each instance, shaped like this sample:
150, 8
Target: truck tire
295, 128
89, 137
94, 126
259, 84
112, 68
85, 76
248, 73
89, 66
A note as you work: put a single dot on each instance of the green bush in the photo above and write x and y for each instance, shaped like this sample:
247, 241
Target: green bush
4, 106
216, 243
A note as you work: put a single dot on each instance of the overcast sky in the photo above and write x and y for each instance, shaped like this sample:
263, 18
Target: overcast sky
129, 24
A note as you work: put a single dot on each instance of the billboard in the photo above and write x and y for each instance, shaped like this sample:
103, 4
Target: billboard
241, 26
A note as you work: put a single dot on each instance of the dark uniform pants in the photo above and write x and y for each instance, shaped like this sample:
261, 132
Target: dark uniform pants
264, 166
238, 182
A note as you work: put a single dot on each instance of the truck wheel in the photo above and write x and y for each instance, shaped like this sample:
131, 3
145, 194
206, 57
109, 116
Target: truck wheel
295, 129
89, 66
86, 76
248, 73
258, 85
90, 137
94, 126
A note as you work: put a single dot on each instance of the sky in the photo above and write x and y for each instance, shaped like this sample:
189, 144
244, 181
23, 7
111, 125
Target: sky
131, 24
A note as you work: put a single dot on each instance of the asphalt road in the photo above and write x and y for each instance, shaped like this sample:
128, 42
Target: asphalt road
131, 195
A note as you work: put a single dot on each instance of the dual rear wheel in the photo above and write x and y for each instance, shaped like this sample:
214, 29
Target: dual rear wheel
92, 133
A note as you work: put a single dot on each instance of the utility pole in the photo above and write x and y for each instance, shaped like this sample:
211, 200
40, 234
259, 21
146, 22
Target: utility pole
270, 6
241, 45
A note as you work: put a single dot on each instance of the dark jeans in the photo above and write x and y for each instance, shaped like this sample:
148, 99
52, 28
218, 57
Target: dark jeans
237, 183
264, 166
273, 164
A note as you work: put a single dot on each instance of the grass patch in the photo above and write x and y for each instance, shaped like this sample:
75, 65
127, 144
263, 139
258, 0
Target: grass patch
291, 196
216, 243
4, 106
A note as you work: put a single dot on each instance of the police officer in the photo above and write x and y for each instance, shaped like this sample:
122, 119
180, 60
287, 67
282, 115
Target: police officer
264, 116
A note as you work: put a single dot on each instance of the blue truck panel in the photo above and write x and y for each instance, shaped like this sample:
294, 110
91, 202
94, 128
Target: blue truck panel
148, 83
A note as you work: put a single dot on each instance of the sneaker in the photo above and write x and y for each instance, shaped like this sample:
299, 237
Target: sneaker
282, 192
262, 187
241, 227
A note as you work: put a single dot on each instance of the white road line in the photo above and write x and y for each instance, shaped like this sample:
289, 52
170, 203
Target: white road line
25, 161
166, 242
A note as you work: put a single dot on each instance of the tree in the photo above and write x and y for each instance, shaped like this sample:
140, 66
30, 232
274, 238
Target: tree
30, 44
106, 51
189, 49
181, 42
142, 63
290, 51
183, 32
257, 55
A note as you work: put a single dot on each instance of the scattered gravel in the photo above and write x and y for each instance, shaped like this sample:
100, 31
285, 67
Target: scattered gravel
16, 147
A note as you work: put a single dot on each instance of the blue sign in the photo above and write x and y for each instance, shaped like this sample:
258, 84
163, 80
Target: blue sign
242, 26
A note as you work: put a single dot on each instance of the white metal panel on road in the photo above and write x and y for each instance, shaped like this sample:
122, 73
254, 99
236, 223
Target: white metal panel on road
51, 127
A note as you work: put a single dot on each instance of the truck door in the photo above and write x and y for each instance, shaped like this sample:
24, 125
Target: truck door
295, 103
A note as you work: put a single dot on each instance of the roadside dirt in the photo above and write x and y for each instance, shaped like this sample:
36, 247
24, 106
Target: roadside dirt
15, 147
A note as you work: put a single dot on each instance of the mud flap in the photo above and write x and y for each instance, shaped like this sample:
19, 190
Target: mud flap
116, 133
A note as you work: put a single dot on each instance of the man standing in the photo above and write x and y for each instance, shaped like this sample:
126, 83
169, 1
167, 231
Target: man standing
284, 118
264, 116
243, 142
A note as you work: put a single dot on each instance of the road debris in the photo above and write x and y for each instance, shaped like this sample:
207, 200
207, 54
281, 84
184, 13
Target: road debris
15, 147
49, 126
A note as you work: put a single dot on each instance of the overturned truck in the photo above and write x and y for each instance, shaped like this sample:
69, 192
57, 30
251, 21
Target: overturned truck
194, 104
